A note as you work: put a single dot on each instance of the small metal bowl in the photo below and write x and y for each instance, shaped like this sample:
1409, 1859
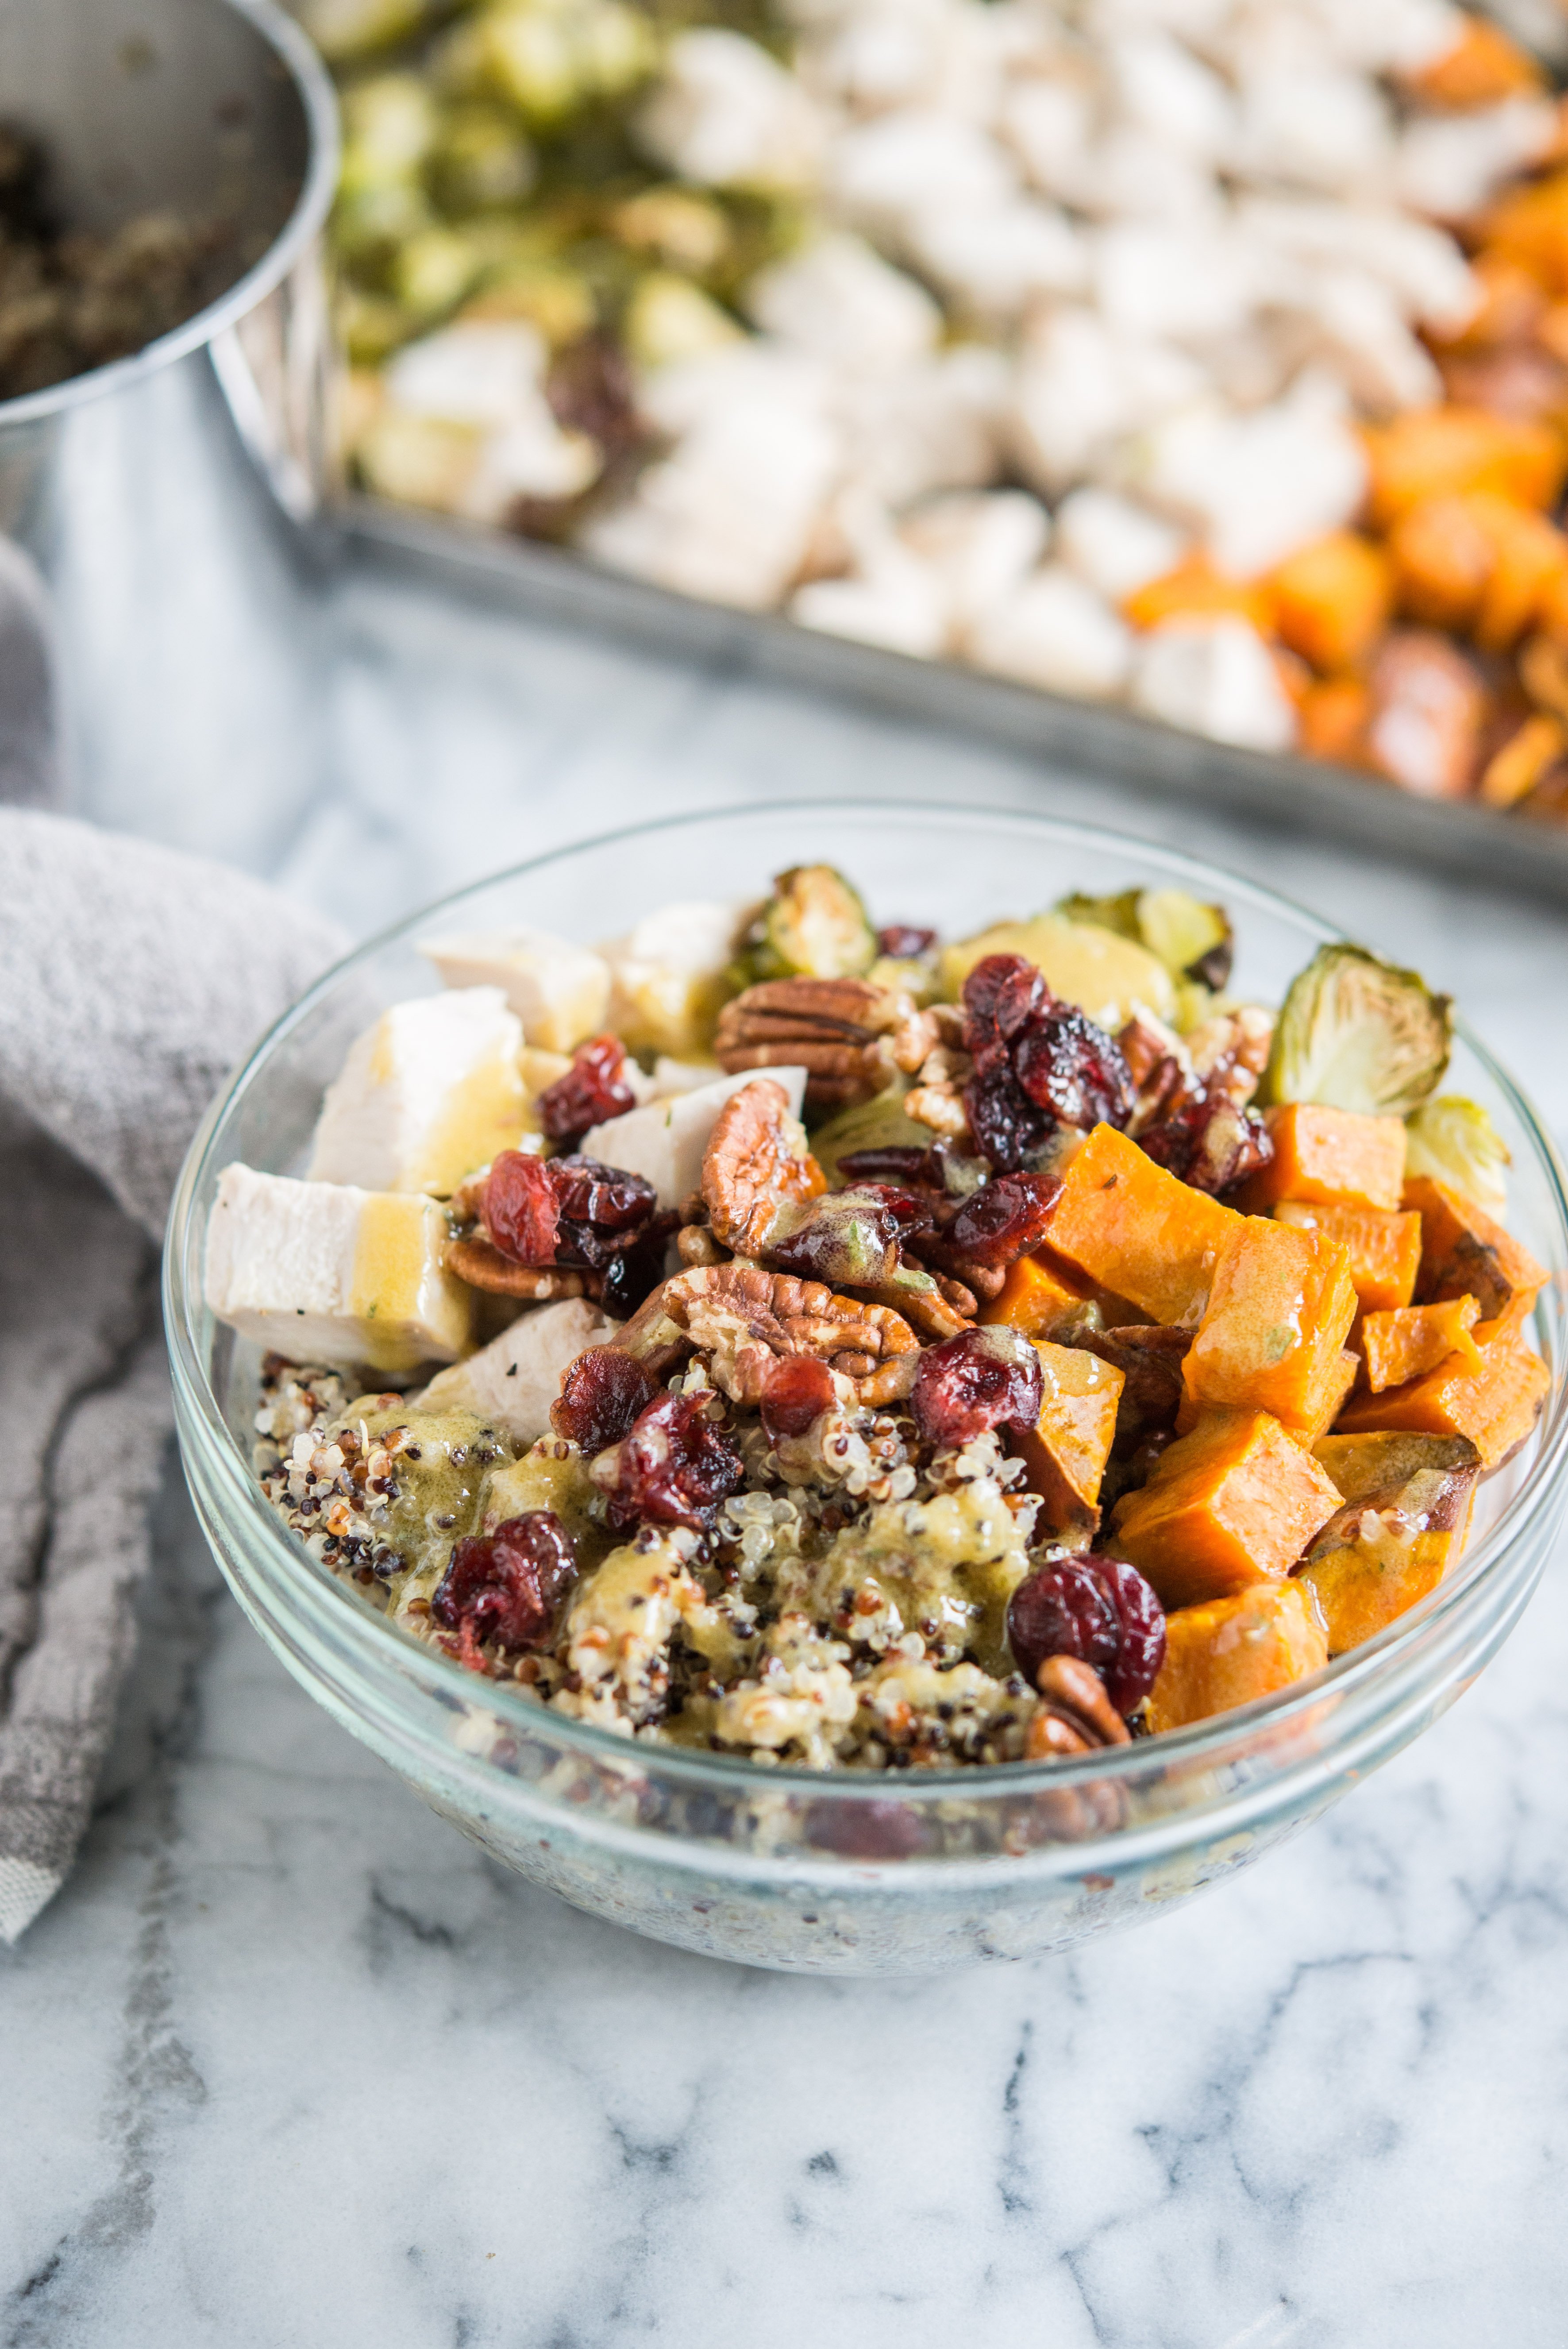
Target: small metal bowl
218, 111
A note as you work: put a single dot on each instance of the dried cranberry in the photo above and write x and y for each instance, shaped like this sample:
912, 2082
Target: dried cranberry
632, 1274
602, 1396
983, 1377
508, 1586
569, 1211
521, 1209
1062, 1610
877, 1829
1099, 1609
603, 1210
895, 1164
1073, 1069
1038, 1064
593, 1089
797, 1391
901, 942
999, 1222
1208, 1142
675, 1467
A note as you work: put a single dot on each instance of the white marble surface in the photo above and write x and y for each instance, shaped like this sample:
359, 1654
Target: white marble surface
289, 2063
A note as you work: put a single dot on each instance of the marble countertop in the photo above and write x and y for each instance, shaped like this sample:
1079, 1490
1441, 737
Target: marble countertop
289, 2061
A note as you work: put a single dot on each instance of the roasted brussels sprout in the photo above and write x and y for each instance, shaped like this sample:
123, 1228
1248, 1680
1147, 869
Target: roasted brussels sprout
1191, 939
813, 926
1452, 1140
1357, 1033
877, 1124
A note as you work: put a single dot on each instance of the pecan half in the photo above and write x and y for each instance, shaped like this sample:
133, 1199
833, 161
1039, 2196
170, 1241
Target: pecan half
835, 1029
1230, 1052
755, 1160
1076, 1715
744, 1319
481, 1264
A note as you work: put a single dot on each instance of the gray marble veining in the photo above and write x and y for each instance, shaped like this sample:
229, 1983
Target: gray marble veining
289, 2061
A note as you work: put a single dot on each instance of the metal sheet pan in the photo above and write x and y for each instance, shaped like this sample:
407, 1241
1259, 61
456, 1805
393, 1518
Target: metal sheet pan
1306, 795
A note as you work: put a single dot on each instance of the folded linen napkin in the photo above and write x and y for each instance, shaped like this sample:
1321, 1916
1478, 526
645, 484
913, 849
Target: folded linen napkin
131, 978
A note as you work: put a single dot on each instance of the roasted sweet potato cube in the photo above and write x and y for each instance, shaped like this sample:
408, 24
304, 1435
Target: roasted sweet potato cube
1528, 225
1040, 1298
1404, 1344
1065, 1457
1465, 1254
1407, 1502
1234, 1503
1431, 451
1230, 1652
1275, 1325
1138, 1230
1329, 1157
1484, 66
1332, 600
1333, 717
1330, 1401
1496, 1406
1384, 1250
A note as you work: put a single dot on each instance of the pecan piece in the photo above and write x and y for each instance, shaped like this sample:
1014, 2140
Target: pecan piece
481, 1264
744, 1319
832, 1028
1076, 1715
755, 1160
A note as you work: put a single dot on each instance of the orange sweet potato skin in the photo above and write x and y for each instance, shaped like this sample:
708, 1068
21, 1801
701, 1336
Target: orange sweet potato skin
1496, 1407
1231, 1504
1273, 1330
1330, 1157
1465, 1254
1230, 1652
1384, 1250
1405, 1344
1064, 1455
1136, 1229
1408, 1509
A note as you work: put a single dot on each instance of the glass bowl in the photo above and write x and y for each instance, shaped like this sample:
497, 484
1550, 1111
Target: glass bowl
816, 1872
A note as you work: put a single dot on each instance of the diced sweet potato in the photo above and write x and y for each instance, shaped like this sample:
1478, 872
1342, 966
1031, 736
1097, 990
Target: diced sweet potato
1413, 1338
1530, 753
1428, 707
1275, 1324
1137, 1229
1430, 452
1512, 299
1065, 1457
1384, 1250
1330, 1401
1464, 1253
1232, 1504
1496, 1407
1528, 226
1233, 1651
1483, 67
1408, 1509
1040, 1298
1472, 560
1335, 714
1332, 600
1332, 1157
1196, 590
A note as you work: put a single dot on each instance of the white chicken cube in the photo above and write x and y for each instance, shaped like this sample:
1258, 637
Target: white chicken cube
668, 976
1115, 543
561, 992
1448, 165
1214, 677
899, 605
325, 1272
841, 303
1261, 484
516, 1378
982, 544
1056, 633
431, 1092
995, 260
727, 114
665, 1140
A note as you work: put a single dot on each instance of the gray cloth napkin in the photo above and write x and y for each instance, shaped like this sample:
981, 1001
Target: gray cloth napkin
131, 978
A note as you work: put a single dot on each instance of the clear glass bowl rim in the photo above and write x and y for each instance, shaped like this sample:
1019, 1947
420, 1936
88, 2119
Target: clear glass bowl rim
1370, 1671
